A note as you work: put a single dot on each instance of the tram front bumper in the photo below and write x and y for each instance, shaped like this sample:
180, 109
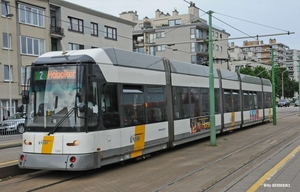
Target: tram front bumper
63, 162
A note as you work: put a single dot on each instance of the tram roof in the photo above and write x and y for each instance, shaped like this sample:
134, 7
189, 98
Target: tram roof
190, 69
250, 79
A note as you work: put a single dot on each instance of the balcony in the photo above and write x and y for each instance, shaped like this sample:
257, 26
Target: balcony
56, 32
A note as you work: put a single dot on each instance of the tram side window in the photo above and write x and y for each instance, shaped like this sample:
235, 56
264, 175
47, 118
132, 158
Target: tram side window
268, 99
252, 100
156, 103
181, 102
236, 100
204, 101
259, 100
133, 105
217, 101
109, 106
195, 102
246, 100
227, 101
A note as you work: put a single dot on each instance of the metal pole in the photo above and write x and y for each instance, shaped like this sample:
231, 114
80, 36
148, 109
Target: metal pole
273, 89
211, 85
282, 84
8, 55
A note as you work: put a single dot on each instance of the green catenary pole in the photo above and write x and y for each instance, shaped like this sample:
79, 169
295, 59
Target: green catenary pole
273, 90
211, 85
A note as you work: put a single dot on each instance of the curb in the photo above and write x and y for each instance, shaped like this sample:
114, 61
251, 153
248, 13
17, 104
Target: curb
13, 170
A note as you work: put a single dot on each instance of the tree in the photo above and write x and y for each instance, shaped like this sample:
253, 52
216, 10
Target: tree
247, 71
262, 72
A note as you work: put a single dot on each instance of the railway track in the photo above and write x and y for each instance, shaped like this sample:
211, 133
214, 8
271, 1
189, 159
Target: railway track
51, 180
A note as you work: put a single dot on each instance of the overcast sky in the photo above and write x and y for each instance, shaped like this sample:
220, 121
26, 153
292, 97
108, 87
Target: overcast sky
273, 16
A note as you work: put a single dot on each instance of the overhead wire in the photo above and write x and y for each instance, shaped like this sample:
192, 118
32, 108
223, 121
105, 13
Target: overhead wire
205, 12
252, 22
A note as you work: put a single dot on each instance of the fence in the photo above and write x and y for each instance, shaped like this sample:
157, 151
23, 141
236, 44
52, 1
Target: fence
12, 127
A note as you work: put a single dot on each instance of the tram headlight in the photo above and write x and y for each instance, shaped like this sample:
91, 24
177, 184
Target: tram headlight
27, 142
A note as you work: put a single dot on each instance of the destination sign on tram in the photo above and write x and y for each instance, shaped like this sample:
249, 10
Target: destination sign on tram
55, 74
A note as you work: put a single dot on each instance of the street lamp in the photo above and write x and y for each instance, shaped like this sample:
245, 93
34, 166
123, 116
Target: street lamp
282, 83
8, 58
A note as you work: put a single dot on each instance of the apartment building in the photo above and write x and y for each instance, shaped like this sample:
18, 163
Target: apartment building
240, 59
30, 28
293, 63
78, 27
260, 52
178, 36
24, 36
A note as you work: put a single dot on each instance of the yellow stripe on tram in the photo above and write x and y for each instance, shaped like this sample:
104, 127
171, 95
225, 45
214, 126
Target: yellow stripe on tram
139, 141
267, 175
47, 144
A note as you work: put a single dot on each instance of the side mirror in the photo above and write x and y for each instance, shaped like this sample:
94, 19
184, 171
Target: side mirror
25, 96
81, 107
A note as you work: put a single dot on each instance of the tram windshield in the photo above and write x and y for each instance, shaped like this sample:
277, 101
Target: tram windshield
53, 97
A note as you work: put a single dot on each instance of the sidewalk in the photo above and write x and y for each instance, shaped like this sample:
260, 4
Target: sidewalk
279, 172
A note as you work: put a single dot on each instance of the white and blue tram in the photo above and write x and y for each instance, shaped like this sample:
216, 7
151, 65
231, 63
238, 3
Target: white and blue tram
89, 108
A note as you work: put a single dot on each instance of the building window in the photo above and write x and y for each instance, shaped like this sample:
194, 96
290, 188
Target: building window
32, 46
175, 22
152, 37
192, 31
193, 47
196, 33
4, 8
152, 51
75, 24
160, 34
140, 50
6, 105
6, 41
217, 34
110, 33
94, 29
160, 48
31, 15
7, 73
194, 59
217, 47
73, 46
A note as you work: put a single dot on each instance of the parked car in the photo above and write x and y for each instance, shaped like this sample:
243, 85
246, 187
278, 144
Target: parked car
283, 102
296, 103
15, 122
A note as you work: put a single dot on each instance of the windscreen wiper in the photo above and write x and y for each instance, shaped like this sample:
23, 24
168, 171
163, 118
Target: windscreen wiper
62, 120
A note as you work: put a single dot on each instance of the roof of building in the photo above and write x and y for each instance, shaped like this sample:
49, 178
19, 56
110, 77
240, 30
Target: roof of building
91, 11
